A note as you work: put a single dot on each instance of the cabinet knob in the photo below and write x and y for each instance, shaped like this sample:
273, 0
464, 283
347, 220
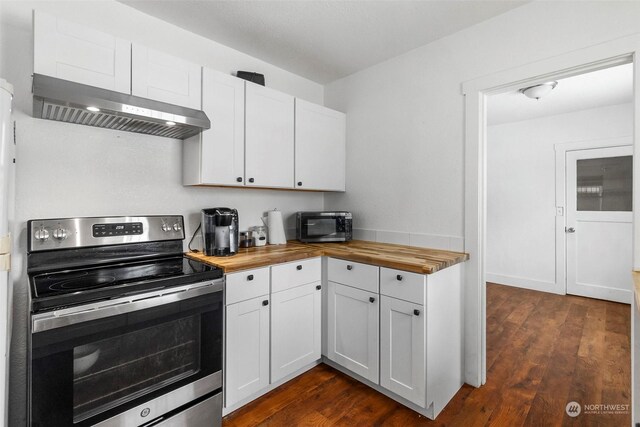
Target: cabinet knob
265, 302
416, 312
299, 183
372, 299
250, 277
349, 267
251, 180
318, 287
399, 277
299, 267
239, 179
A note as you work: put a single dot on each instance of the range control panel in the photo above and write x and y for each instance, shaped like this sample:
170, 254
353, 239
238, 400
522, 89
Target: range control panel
67, 233
122, 229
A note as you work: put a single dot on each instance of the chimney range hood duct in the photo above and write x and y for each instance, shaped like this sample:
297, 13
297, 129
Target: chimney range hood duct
66, 101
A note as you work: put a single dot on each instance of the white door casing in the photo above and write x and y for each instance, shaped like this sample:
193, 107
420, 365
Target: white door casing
598, 241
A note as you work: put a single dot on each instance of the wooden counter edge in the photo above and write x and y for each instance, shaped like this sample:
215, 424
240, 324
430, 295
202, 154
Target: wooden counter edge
636, 288
313, 250
258, 262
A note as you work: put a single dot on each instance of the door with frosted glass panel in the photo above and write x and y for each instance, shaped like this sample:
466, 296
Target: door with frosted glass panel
599, 223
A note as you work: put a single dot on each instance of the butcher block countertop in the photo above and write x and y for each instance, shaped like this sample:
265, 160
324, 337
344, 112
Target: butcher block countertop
400, 257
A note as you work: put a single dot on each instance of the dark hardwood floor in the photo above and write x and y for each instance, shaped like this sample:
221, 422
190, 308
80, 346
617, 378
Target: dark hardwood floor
543, 351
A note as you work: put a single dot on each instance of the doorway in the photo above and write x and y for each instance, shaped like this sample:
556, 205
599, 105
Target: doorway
477, 93
531, 235
604, 55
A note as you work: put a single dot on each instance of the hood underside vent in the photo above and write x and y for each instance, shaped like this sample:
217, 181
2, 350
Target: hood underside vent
82, 116
65, 101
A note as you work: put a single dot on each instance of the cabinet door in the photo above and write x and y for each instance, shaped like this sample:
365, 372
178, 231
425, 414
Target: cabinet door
223, 145
268, 137
295, 329
353, 330
80, 54
402, 349
165, 78
320, 142
247, 349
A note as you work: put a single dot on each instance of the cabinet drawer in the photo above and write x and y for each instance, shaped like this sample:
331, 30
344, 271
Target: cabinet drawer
361, 276
247, 284
292, 274
403, 285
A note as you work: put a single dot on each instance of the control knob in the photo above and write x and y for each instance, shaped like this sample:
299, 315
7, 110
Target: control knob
41, 234
59, 234
166, 228
176, 227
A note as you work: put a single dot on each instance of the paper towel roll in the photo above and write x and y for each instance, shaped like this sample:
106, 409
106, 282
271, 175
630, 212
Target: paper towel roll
276, 228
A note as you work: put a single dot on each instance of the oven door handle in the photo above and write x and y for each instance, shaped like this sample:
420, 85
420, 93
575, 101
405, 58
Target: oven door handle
74, 315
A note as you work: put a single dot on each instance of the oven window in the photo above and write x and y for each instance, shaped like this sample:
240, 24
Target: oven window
317, 227
110, 372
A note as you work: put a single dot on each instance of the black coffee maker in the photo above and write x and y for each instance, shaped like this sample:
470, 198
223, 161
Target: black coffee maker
220, 231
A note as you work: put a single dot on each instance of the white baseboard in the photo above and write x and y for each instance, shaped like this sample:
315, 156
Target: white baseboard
525, 283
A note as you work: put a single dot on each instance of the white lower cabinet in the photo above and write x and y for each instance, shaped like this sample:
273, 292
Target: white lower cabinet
402, 349
295, 329
247, 348
352, 336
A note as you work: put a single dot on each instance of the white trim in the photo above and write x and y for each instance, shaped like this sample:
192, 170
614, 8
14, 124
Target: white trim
526, 283
591, 58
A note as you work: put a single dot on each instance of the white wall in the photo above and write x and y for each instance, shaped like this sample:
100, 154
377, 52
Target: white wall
405, 127
69, 170
521, 199
406, 121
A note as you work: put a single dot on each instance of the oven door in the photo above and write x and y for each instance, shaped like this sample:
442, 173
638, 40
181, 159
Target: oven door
323, 228
127, 361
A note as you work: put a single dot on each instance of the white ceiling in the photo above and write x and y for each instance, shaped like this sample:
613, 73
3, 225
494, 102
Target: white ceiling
610, 86
323, 40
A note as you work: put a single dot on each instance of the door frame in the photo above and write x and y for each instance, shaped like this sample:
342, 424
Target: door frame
616, 52
561, 150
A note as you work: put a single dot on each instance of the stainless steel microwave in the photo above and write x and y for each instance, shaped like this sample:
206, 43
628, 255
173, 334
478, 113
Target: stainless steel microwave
324, 226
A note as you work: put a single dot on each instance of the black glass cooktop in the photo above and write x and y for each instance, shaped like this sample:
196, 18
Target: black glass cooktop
77, 286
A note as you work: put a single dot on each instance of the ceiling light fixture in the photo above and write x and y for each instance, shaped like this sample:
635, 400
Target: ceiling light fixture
538, 91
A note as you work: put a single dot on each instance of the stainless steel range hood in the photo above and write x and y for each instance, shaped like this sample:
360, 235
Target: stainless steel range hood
65, 101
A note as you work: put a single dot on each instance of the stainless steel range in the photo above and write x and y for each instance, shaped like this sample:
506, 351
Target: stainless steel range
125, 330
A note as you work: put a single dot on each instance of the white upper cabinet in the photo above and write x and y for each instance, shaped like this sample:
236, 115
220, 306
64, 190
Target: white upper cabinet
80, 54
320, 141
268, 137
165, 78
216, 156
